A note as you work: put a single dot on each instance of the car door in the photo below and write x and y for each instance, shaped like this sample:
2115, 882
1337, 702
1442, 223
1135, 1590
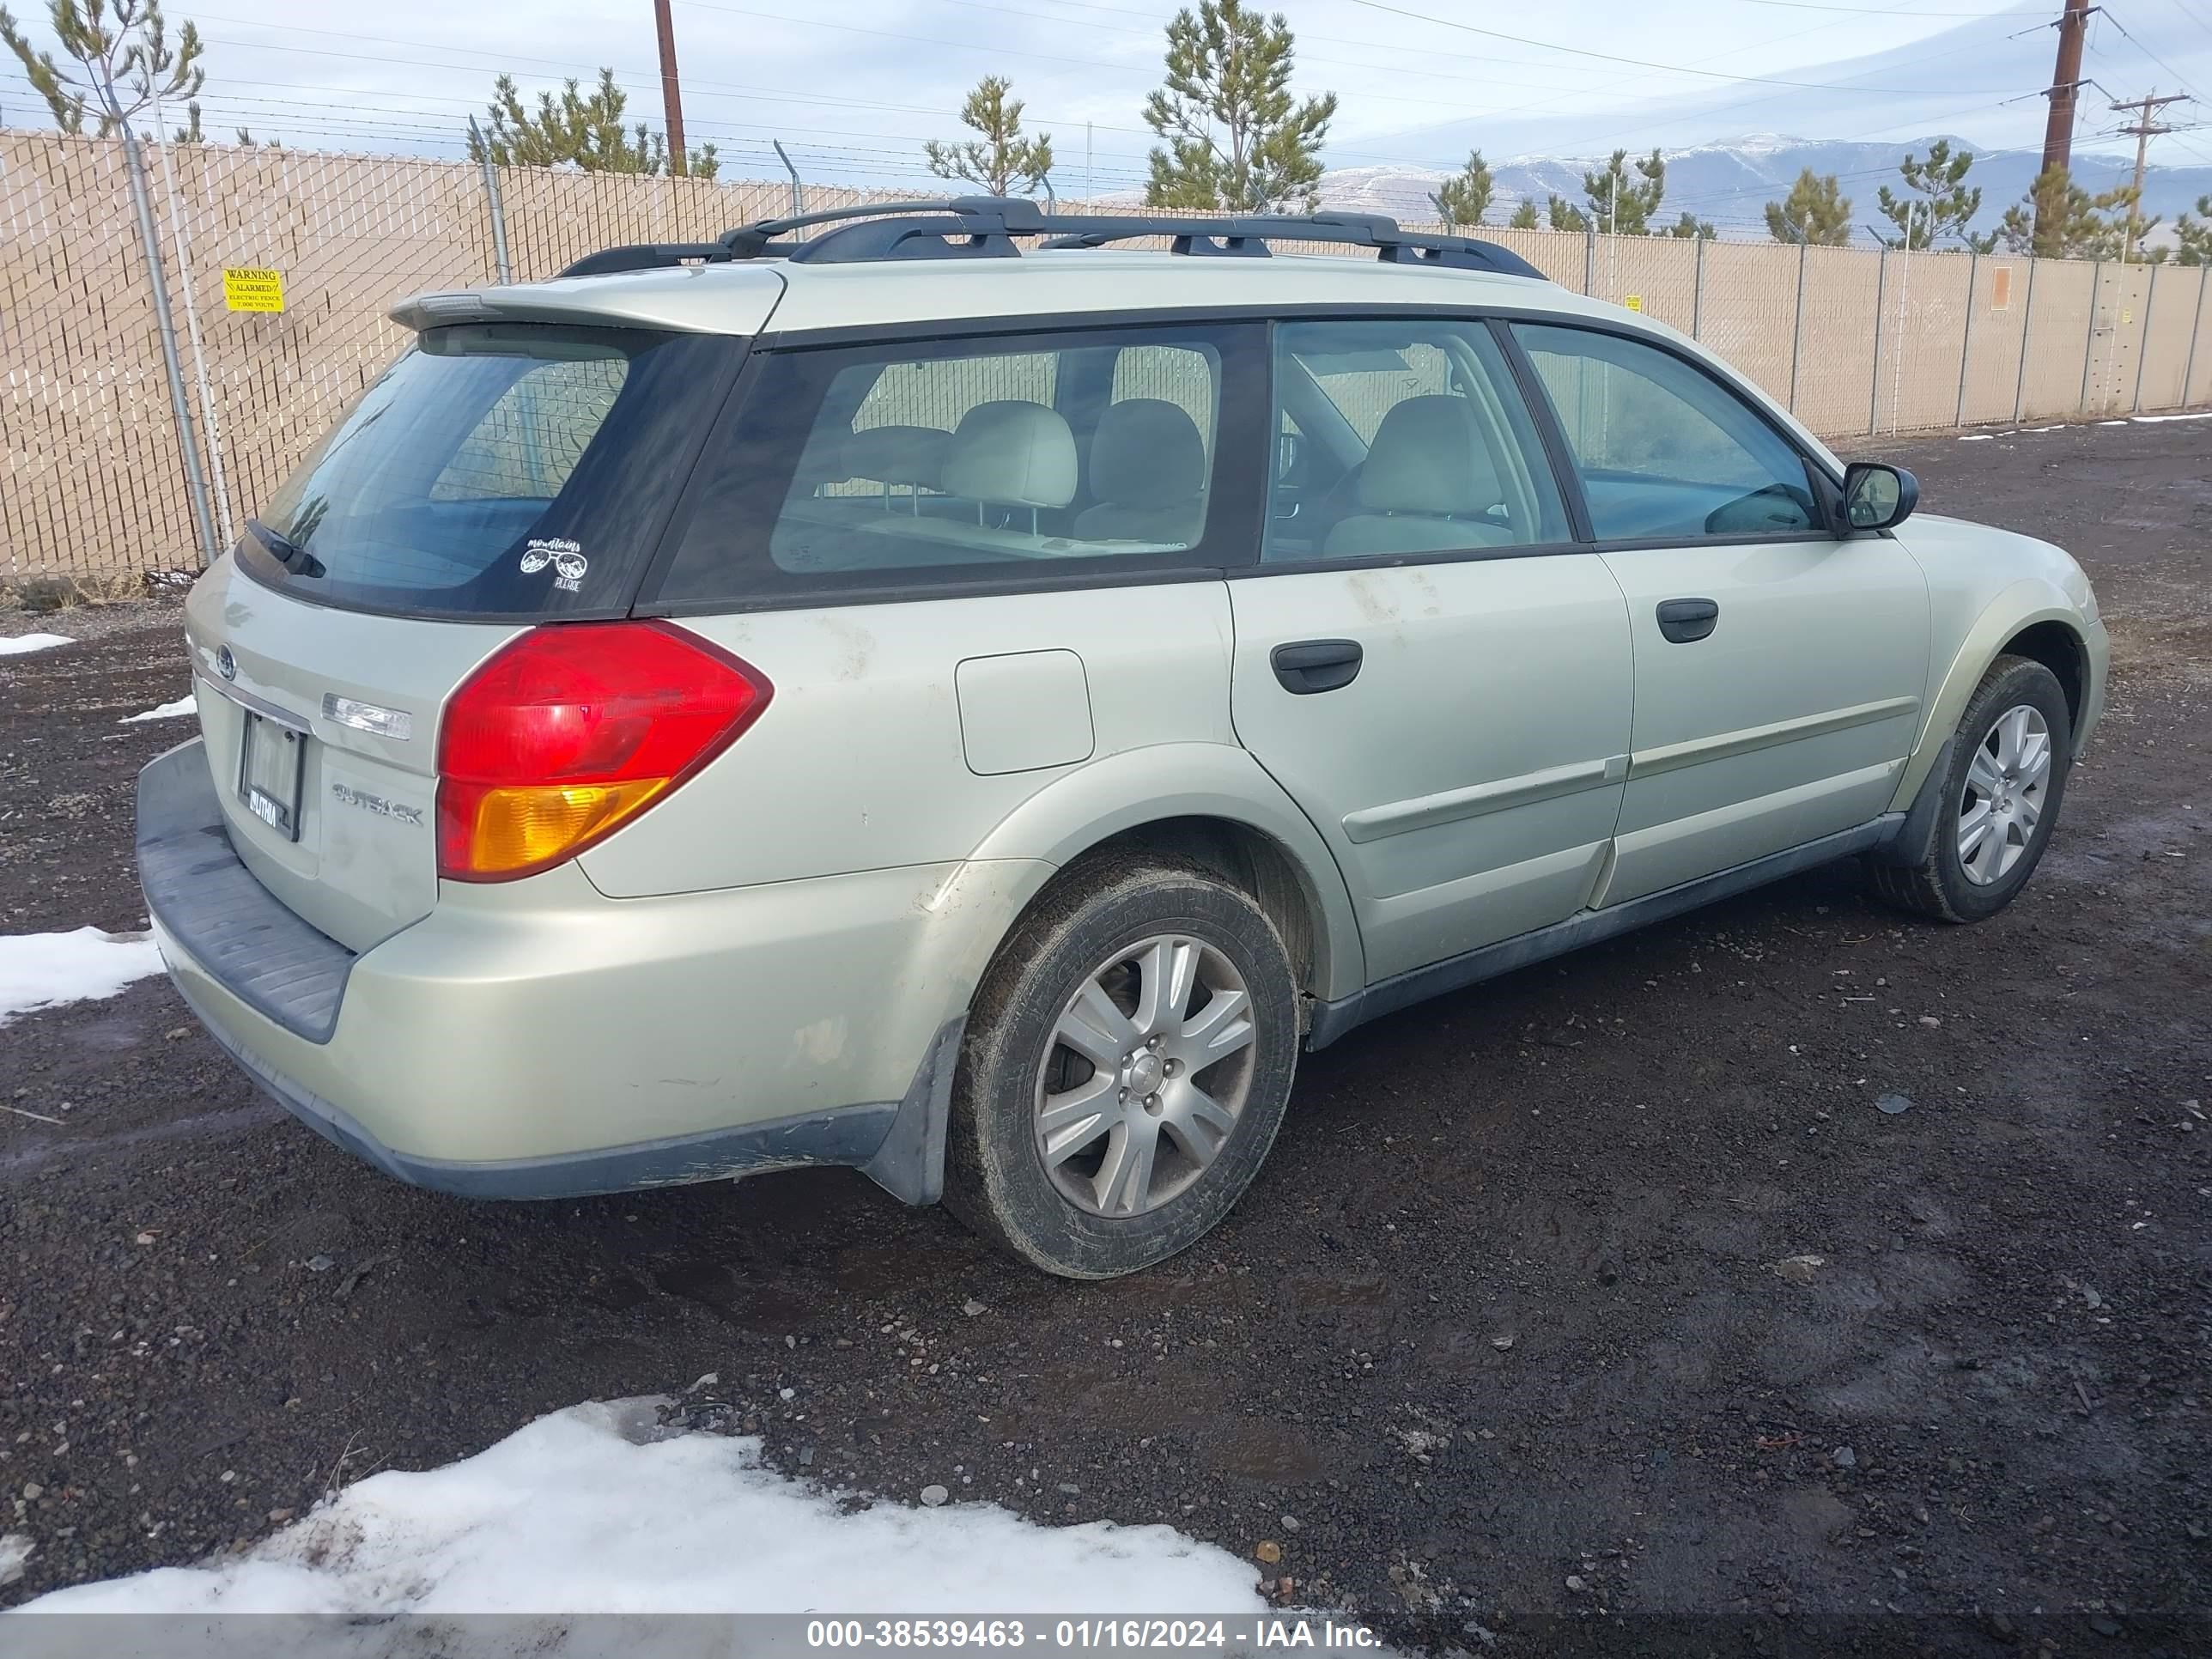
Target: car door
1779, 671
1425, 659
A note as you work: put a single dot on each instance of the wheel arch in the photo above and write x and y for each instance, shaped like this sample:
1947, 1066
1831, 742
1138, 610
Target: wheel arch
1214, 805
2032, 618
2061, 648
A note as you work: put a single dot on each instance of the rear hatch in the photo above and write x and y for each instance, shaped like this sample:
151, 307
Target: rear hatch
499, 475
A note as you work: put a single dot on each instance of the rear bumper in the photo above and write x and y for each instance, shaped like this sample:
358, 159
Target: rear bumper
851, 1135
537, 1040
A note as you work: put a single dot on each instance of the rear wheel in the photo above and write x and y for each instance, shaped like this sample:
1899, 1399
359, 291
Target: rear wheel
1125, 1069
2001, 791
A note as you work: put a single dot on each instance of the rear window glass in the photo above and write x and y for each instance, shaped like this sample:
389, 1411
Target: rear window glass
496, 470
991, 461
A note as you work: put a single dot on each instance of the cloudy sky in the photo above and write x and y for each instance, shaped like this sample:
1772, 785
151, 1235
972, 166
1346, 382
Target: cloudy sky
852, 86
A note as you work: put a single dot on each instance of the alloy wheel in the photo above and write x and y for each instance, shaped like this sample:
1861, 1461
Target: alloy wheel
2007, 782
1145, 1075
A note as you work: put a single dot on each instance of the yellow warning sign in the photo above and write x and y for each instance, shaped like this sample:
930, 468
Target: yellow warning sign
250, 288
1633, 302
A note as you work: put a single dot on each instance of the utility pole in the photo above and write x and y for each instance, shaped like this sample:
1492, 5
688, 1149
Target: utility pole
671, 98
2144, 129
2064, 93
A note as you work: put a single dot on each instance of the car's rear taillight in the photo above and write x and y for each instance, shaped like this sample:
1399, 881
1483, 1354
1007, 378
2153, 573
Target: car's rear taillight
574, 729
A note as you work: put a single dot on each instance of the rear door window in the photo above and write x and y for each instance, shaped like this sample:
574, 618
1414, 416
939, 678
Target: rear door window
1004, 460
497, 471
1403, 437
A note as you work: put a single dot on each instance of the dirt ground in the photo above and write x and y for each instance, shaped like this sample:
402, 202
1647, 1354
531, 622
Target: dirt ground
1495, 1352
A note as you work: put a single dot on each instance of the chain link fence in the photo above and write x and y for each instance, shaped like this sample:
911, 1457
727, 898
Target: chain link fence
94, 487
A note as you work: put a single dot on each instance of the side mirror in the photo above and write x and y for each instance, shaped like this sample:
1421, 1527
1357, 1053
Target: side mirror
1877, 496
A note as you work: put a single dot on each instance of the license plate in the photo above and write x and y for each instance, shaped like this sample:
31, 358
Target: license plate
271, 760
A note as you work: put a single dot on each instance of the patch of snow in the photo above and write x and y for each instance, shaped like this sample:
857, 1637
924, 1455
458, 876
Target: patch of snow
23, 642
38, 970
2152, 420
168, 711
2111, 423
1970, 438
594, 1509
1745, 143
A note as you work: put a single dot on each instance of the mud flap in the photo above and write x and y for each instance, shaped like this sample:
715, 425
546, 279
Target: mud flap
1916, 837
910, 1164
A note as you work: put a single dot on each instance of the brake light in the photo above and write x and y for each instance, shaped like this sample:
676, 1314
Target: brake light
574, 729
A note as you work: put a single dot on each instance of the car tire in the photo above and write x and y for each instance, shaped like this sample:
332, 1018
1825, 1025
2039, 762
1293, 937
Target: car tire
2001, 791
1101, 1155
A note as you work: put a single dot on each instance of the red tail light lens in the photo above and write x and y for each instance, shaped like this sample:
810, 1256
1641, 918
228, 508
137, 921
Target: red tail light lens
573, 730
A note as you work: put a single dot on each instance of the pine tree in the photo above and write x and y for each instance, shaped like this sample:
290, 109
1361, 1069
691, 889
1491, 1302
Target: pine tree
1690, 227
577, 131
1524, 216
1236, 138
1564, 215
2057, 219
2133, 227
2194, 235
1937, 202
122, 57
1814, 211
1621, 205
1001, 158
1465, 196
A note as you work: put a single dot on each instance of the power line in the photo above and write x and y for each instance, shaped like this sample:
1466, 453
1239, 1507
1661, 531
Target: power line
1769, 98
2188, 11
2146, 51
1623, 81
643, 81
1874, 11
1641, 63
1305, 57
1090, 64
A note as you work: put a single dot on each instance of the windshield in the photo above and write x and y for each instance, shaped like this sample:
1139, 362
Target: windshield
496, 470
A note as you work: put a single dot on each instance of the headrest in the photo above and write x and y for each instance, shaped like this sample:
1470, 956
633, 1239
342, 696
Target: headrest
1147, 452
898, 455
1014, 453
1428, 458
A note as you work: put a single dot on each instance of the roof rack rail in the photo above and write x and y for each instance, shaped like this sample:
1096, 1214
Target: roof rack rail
986, 226
646, 256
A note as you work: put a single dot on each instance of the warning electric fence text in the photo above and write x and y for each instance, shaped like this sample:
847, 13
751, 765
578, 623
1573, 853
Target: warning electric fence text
1244, 1634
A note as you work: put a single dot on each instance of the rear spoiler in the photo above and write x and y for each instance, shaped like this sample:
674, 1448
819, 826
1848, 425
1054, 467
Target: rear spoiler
738, 302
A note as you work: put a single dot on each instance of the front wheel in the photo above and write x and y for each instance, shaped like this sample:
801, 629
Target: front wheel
2001, 793
1125, 1068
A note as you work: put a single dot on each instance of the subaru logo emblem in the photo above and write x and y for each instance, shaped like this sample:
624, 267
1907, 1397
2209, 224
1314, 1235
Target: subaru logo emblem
226, 664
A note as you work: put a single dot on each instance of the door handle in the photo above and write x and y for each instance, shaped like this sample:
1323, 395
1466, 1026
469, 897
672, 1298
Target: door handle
1305, 666
1683, 621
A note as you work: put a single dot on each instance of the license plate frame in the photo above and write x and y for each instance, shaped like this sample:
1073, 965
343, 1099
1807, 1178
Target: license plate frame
272, 766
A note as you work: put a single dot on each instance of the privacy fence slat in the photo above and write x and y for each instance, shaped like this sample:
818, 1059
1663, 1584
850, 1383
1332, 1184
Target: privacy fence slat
92, 481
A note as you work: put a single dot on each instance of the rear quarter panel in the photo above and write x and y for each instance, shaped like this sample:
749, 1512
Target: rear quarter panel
860, 761
876, 752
